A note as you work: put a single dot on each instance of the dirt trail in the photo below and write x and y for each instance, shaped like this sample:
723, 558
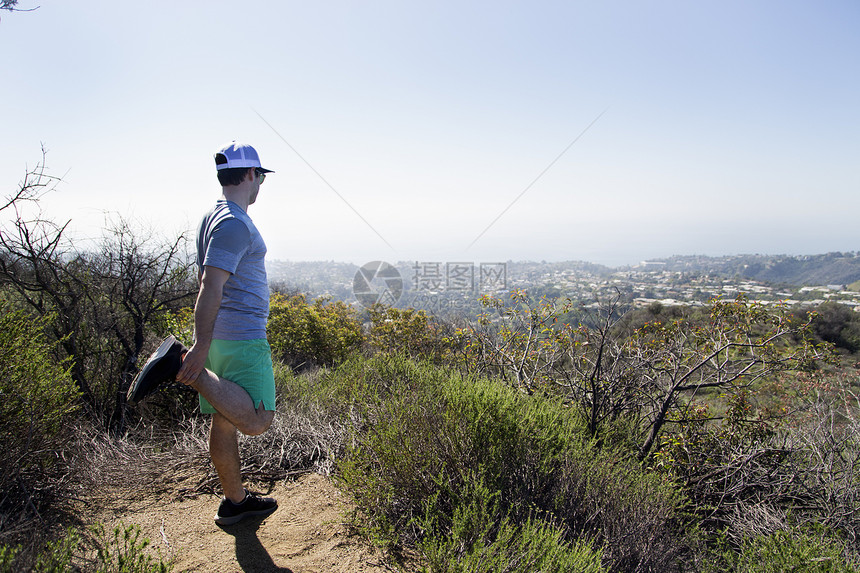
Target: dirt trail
305, 535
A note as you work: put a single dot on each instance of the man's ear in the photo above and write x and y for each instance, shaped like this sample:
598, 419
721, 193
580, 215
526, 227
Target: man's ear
249, 176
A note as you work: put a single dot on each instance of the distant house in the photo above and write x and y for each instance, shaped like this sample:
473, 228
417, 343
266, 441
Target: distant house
813, 288
652, 265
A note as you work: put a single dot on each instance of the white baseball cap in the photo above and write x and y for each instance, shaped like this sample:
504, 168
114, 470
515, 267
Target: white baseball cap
236, 154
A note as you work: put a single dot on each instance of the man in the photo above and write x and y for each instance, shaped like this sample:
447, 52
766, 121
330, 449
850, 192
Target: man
230, 363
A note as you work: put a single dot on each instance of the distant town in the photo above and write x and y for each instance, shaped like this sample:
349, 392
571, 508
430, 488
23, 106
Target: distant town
455, 287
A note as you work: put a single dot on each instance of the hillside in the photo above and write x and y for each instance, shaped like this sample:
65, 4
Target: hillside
800, 270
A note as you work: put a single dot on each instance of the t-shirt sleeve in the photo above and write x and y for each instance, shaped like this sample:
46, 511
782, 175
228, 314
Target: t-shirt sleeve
230, 240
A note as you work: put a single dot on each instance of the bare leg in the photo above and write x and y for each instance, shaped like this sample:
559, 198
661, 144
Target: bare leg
233, 403
224, 452
234, 411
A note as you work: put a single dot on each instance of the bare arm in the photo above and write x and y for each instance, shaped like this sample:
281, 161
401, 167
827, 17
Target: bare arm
205, 311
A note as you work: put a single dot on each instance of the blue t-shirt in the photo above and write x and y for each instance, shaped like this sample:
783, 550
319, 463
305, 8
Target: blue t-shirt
227, 239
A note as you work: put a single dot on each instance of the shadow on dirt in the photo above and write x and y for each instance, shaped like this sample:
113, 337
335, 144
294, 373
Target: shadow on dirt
250, 553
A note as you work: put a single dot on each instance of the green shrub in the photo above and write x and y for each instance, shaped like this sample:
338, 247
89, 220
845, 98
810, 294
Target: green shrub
429, 443
8, 556
837, 324
305, 335
409, 331
635, 515
58, 555
37, 399
481, 538
179, 323
123, 551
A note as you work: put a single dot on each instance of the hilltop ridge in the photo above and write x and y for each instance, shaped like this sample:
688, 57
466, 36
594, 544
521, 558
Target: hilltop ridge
795, 270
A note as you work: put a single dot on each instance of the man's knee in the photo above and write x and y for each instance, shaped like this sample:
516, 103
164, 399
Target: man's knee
259, 424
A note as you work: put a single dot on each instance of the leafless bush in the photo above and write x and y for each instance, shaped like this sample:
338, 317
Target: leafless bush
750, 480
828, 457
102, 302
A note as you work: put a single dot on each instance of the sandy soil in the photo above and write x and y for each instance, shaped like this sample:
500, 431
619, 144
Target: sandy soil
306, 534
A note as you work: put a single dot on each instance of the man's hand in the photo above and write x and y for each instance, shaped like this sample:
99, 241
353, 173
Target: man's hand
192, 365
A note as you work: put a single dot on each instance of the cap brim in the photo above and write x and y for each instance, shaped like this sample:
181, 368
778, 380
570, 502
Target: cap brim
264, 170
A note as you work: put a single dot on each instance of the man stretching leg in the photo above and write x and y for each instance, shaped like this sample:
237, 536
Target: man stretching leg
230, 363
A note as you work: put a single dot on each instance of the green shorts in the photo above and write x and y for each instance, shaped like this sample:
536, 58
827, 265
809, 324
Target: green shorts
248, 363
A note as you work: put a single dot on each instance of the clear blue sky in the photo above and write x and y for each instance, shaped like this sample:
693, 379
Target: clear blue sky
729, 127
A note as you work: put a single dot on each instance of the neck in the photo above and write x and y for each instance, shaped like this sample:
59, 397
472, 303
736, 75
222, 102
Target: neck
238, 194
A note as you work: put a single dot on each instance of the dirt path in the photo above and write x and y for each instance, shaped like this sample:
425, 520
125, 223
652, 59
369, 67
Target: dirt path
305, 535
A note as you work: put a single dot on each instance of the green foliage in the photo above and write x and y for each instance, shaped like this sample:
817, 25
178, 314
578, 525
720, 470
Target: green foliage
409, 331
37, 391
58, 555
785, 550
482, 538
839, 325
123, 551
500, 468
522, 342
319, 334
655, 312
180, 324
37, 398
8, 556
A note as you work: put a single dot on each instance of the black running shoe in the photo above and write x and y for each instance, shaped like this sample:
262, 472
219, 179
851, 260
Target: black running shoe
230, 513
161, 367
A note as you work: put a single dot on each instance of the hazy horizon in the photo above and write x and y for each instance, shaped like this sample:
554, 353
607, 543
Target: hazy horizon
549, 261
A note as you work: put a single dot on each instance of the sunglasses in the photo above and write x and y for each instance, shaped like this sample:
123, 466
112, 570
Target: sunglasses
261, 175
